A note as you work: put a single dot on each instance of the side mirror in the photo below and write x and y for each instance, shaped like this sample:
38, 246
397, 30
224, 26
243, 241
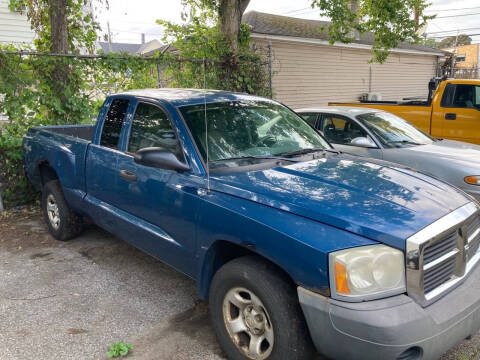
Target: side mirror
363, 142
159, 158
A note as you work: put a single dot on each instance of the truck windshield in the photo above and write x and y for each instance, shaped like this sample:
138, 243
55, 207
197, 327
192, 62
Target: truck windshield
257, 130
393, 131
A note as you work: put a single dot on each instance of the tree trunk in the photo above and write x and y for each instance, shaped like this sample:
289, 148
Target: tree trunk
57, 13
230, 13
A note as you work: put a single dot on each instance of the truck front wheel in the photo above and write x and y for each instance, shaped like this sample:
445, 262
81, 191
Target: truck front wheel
256, 314
63, 224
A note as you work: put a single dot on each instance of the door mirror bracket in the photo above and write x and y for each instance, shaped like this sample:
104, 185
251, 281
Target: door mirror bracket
159, 158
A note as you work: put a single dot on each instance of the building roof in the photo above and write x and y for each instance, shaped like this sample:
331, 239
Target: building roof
270, 24
120, 47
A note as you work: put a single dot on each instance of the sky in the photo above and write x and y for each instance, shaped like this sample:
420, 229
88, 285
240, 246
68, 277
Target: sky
129, 19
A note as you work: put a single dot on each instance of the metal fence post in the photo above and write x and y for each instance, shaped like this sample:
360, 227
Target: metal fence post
270, 68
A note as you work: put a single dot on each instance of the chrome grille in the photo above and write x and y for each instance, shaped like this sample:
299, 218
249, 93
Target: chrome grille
440, 247
472, 230
439, 261
438, 276
441, 255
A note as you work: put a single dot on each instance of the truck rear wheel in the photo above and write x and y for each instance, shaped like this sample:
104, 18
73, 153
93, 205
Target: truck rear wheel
63, 224
256, 314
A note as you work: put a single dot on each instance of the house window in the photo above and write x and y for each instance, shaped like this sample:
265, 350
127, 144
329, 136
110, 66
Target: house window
460, 58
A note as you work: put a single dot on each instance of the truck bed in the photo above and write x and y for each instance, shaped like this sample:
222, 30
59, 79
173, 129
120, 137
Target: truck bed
65, 146
79, 131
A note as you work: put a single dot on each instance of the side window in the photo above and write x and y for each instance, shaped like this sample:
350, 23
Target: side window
113, 123
477, 97
341, 130
151, 128
310, 118
447, 98
464, 96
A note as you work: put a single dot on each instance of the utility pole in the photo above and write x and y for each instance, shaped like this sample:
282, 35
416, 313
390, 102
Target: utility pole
109, 37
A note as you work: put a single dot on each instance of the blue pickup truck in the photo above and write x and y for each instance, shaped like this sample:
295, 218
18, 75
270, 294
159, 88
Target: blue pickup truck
292, 243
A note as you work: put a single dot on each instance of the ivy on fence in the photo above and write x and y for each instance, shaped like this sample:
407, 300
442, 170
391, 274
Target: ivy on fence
28, 98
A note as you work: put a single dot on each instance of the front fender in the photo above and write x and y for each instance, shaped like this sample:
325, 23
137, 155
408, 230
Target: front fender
298, 245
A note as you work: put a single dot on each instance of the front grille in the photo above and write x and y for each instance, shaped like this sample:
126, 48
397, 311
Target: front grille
441, 255
473, 236
439, 275
436, 275
440, 247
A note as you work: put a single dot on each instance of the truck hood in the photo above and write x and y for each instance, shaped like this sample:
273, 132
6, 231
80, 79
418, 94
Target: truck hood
370, 198
451, 150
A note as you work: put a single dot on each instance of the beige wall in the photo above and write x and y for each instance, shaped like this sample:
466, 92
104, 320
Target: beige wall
310, 74
14, 27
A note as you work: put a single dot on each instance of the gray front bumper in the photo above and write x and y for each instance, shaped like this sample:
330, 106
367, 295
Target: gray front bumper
386, 328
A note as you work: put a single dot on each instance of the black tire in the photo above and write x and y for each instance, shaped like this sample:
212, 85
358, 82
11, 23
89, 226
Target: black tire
70, 224
279, 296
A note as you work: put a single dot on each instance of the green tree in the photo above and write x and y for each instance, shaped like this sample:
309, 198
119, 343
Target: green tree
390, 21
452, 41
236, 67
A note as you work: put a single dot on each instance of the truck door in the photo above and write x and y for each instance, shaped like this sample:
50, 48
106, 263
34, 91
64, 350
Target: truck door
161, 201
343, 132
459, 112
102, 155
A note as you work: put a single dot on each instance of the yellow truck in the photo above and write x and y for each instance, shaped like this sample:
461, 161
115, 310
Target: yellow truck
451, 111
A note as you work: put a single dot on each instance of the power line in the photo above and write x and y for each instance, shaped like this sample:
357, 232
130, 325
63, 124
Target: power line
451, 16
293, 11
441, 37
453, 30
437, 10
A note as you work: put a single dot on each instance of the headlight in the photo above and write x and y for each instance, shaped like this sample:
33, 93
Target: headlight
473, 180
366, 273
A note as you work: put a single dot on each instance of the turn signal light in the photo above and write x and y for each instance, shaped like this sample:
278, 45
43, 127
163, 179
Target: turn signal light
474, 180
341, 279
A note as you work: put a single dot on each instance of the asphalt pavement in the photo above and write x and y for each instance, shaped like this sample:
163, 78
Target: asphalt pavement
71, 300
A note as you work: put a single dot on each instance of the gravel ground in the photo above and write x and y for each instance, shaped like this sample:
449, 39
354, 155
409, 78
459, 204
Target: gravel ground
71, 300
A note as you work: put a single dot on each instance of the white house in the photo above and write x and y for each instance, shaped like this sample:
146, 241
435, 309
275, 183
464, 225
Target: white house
14, 26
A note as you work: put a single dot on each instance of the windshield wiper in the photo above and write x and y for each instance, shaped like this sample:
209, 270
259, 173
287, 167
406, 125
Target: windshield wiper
259, 157
405, 142
306, 151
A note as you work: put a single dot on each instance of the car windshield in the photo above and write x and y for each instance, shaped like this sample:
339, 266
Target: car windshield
393, 131
250, 129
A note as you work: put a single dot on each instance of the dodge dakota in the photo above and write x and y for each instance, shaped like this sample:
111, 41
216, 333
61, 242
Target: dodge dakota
451, 111
290, 241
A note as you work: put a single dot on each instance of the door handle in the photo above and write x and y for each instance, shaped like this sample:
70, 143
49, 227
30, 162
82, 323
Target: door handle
450, 116
128, 175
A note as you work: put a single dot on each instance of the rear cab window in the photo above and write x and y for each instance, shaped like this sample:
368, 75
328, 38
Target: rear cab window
112, 126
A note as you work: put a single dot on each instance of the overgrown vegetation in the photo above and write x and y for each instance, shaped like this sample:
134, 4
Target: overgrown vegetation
41, 89
212, 63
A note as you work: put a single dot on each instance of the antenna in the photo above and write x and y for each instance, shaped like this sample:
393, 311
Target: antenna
206, 123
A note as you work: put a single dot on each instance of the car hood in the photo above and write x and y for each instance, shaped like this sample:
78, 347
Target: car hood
371, 198
449, 150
